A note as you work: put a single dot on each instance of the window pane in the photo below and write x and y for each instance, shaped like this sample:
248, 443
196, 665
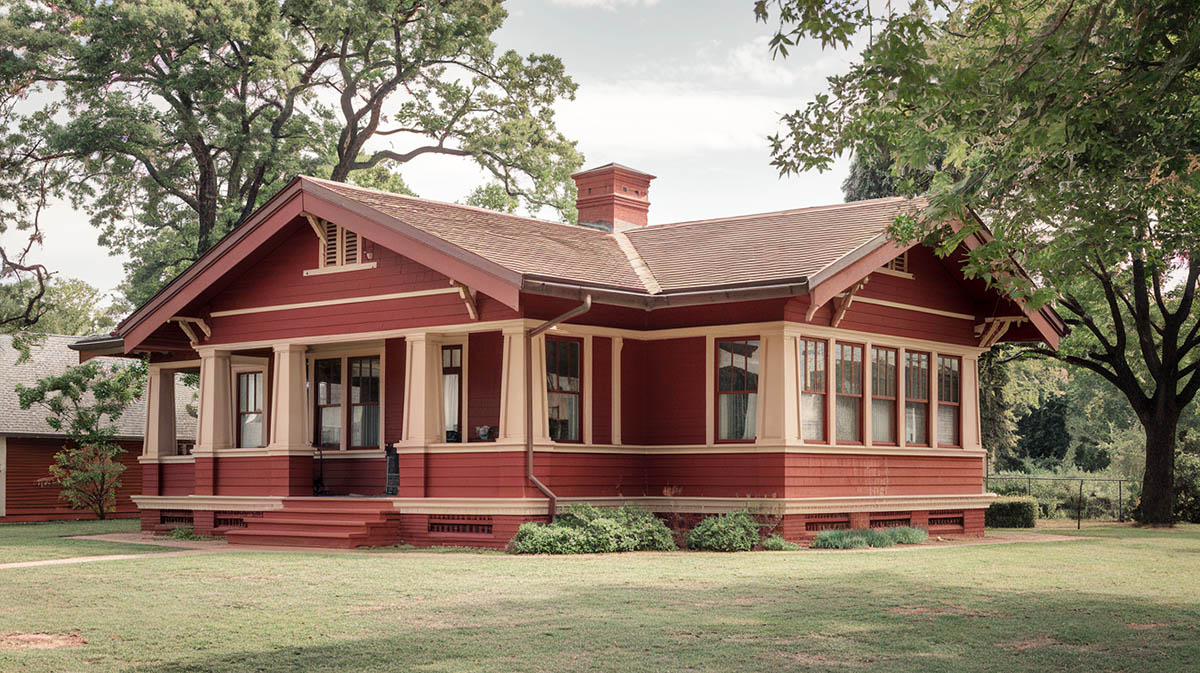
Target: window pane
883, 421
564, 417
948, 425
736, 415
915, 417
450, 407
364, 426
812, 425
251, 430
331, 426
849, 417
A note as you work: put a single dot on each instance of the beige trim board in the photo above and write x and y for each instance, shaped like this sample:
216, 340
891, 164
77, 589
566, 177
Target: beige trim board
216, 503
334, 302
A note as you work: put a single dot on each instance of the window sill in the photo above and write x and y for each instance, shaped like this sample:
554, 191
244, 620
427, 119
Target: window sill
340, 268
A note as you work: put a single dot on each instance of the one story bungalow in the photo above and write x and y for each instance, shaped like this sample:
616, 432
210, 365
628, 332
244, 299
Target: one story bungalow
377, 367
28, 444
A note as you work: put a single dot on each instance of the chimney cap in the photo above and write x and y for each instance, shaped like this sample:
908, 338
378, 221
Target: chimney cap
613, 165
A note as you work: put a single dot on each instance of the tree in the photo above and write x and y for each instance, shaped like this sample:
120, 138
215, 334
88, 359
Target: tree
183, 116
1068, 126
85, 402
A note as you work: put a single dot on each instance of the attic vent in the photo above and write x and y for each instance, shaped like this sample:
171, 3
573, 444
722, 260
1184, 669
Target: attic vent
899, 264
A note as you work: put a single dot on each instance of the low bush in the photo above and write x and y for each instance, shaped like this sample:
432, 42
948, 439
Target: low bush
584, 529
861, 538
1019, 512
733, 531
776, 543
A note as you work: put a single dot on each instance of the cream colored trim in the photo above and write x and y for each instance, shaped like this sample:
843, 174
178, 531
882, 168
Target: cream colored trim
911, 307
216, 503
335, 302
3, 473
892, 272
643, 272
361, 266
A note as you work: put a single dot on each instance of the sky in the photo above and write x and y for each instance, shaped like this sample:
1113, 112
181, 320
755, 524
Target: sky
683, 89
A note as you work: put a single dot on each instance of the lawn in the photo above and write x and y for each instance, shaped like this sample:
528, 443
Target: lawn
38, 542
1128, 600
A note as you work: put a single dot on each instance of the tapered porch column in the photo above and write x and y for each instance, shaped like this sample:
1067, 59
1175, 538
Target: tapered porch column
214, 425
289, 448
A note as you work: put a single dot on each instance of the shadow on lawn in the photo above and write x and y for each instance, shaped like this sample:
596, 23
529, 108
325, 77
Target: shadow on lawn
871, 621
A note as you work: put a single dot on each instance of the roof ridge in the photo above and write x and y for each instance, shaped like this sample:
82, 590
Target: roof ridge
788, 211
410, 197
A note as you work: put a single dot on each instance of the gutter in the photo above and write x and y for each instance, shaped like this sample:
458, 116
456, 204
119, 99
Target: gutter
529, 335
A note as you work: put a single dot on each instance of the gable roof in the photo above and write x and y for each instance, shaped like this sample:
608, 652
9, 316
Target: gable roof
767, 255
53, 357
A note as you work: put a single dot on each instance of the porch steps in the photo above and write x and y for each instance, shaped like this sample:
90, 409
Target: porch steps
335, 523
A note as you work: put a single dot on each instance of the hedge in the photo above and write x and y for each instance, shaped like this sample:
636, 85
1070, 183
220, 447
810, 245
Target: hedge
1012, 513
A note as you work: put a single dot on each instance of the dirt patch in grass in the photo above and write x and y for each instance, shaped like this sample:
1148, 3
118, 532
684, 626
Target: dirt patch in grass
40, 641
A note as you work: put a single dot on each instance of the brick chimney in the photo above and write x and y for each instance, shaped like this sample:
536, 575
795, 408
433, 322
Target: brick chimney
613, 196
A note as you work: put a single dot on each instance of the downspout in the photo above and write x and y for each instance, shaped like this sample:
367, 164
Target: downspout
529, 335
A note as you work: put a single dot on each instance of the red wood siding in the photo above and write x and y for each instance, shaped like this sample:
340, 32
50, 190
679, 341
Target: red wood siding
393, 390
601, 390
29, 459
485, 351
812, 475
662, 391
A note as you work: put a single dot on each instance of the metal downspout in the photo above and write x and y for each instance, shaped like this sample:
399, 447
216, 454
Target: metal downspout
529, 335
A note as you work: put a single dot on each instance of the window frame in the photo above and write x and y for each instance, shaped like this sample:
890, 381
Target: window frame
958, 403
823, 392
238, 411
579, 393
929, 411
895, 397
717, 392
861, 395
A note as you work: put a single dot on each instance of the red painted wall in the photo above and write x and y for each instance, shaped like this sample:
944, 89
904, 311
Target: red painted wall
485, 351
29, 459
601, 388
662, 391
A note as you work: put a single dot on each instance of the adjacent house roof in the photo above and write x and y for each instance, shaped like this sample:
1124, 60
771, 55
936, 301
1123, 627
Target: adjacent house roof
53, 357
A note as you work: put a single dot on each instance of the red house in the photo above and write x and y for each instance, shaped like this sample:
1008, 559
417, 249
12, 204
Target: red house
377, 367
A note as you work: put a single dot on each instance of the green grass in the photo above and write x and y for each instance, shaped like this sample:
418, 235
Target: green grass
1129, 600
39, 542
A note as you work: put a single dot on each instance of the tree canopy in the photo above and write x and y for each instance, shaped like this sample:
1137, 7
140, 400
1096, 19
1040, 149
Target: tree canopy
1068, 127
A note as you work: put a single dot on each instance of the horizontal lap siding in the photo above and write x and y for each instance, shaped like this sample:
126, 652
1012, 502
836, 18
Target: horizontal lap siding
29, 460
816, 476
484, 355
715, 475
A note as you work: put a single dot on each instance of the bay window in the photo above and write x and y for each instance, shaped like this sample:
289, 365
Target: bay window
916, 398
250, 410
949, 401
848, 383
883, 395
737, 389
813, 390
564, 388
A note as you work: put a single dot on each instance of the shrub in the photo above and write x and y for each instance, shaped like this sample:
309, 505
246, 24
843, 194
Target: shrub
1012, 513
861, 538
584, 529
777, 543
734, 531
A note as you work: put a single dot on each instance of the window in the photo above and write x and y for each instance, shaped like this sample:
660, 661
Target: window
916, 398
364, 402
812, 397
848, 381
564, 388
250, 410
883, 395
452, 393
949, 403
327, 377
339, 246
737, 389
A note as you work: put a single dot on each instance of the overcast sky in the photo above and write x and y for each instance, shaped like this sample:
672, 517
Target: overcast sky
683, 89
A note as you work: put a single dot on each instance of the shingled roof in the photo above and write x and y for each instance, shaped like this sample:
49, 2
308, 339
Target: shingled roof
53, 357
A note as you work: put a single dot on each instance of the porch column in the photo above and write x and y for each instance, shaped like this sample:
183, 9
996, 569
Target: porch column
214, 426
289, 449
422, 391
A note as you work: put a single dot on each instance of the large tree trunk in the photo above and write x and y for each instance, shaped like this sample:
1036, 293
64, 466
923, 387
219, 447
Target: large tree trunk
1158, 484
